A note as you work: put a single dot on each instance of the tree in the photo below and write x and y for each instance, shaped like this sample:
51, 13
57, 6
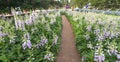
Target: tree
101, 4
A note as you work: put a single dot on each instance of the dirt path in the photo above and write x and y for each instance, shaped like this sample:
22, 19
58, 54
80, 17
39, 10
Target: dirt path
68, 52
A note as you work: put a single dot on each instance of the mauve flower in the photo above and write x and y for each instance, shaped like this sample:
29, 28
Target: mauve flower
83, 58
28, 22
109, 52
19, 24
27, 36
37, 45
118, 56
87, 36
118, 61
49, 57
16, 25
100, 22
1, 28
22, 26
107, 34
42, 42
27, 44
117, 34
100, 38
97, 31
31, 18
89, 27
112, 35
112, 48
113, 51
2, 34
99, 57
24, 45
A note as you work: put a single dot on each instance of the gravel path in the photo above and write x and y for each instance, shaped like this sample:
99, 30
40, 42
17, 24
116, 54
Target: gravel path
68, 51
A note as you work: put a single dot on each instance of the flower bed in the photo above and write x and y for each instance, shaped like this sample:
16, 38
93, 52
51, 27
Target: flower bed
30, 38
97, 36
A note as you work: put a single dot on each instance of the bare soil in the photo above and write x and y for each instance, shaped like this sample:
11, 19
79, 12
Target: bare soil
68, 51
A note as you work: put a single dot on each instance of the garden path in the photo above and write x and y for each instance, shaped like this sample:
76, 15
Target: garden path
68, 51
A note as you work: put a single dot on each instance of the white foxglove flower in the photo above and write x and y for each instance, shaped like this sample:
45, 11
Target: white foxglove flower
55, 40
89, 28
49, 57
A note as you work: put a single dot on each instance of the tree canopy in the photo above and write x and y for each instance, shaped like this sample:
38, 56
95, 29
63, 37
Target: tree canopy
101, 4
5, 5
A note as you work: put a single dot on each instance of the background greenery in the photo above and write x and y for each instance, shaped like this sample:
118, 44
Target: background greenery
32, 4
100, 4
5, 5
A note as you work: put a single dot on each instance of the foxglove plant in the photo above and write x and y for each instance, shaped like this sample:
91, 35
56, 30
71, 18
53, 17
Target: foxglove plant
22, 25
16, 25
48, 27
106, 34
90, 46
118, 56
27, 44
49, 57
42, 42
12, 39
1, 28
99, 55
97, 31
89, 28
27, 36
96, 28
2, 34
18, 32
87, 36
100, 38
43, 20
52, 21
34, 29
112, 48
26, 41
19, 24
55, 40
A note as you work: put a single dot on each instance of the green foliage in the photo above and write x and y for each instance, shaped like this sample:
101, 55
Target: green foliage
101, 4
87, 40
14, 51
27, 4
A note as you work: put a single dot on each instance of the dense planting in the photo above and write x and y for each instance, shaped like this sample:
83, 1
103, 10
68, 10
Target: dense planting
97, 36
117, 12
30, 38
